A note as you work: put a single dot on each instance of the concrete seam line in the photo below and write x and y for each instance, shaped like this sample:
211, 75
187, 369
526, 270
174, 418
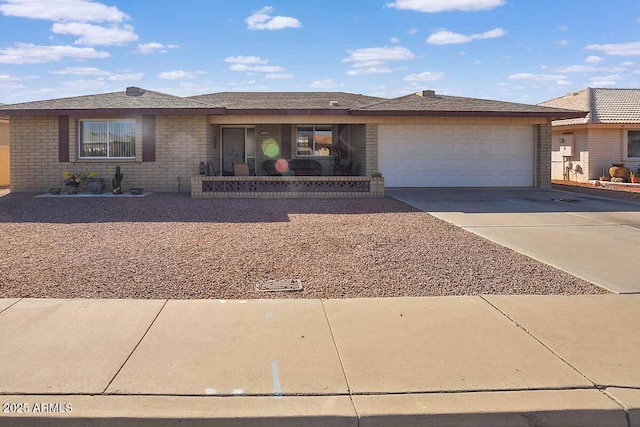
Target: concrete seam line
520, 251
619, 403
136, 346
520, 326
344, 372
11, 305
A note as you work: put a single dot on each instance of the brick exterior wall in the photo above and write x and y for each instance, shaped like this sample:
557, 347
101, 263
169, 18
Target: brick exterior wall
182, 142
371, 149
358, 148
5, 167
543, 156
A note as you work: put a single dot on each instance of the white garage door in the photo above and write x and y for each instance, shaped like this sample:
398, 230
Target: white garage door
456, 155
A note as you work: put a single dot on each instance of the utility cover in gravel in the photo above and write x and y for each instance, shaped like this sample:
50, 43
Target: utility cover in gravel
173, 246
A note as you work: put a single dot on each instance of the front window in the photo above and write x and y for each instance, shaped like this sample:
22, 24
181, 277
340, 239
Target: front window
314, 141
108, 139
633, 143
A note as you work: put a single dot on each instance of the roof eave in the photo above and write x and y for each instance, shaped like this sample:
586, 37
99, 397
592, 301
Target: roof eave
286, 112
91, 112
432, 113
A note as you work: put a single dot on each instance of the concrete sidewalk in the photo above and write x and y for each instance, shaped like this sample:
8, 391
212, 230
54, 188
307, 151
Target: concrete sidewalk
472, 361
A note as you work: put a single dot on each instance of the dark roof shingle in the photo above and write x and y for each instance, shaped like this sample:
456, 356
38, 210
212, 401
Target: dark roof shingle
454, 104
285, 100
115, 100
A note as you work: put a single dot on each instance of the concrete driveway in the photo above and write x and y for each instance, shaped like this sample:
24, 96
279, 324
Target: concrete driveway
590, 237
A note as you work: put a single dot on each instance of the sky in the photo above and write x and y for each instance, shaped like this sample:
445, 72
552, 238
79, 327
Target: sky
511, 50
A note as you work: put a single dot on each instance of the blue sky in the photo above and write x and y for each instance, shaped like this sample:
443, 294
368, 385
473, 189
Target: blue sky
512, 50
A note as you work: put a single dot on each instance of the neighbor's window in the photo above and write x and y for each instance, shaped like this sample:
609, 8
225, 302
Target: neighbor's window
633, 143
108, 139
314, 140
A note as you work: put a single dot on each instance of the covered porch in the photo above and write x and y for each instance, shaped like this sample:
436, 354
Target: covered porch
302, 157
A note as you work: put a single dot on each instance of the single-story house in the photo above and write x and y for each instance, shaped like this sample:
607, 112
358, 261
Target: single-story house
160, 140
4, 150
610, 133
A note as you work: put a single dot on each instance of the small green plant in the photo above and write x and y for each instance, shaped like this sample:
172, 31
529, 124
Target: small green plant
116, 182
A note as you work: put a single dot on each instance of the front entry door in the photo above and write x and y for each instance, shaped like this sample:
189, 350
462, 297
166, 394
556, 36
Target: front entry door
232, 147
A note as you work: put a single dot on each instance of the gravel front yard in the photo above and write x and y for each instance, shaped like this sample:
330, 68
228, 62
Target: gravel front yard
629, 192
172, 246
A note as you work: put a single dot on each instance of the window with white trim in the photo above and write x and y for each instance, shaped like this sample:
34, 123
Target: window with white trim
107, 139
314, 141
633, 143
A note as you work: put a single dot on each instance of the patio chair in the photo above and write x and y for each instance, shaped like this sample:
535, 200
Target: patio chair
347, 170
241, 169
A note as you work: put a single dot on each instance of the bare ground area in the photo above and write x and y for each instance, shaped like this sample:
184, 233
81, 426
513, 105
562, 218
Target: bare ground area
172, 246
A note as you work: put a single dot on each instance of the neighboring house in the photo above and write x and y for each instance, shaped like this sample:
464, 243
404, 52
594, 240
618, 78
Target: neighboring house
4, 150
159, 140
610, 133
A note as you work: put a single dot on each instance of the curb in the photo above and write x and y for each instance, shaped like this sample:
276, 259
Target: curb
587, 407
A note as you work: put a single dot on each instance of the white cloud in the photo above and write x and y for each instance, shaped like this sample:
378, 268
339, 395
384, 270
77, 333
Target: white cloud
372, 63
153, 47
370, 70
448, 37
426, 76
394, 40
62, 10
258, 68
25, 53
628, 64
262, 20
379, 55
559, 79
586, 69
125, 77
413, 31
593, 59
620, 49
252, 64
82, 71
79, 85
610, 80
324, 84
245, 60
277, 76
562, 42
563, 27
179, 75
9, 78
433, 6
96, 35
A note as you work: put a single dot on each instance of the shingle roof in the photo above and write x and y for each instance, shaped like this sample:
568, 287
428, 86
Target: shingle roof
273, 102
115, 100
605, 105
285, 100
454, 104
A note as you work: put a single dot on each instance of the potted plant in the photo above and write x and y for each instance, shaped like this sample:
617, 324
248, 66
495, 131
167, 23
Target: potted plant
635, 176
604, 176
73, 180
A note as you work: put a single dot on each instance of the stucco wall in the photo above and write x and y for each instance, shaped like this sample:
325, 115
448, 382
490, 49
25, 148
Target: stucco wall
596, 148
181, 144
576, 167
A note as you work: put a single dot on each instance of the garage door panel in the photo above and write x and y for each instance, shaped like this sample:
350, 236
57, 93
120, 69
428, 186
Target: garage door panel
463, 155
